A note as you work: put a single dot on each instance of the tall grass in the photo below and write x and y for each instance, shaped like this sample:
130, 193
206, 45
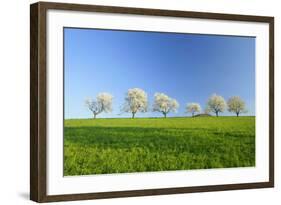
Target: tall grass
100, 146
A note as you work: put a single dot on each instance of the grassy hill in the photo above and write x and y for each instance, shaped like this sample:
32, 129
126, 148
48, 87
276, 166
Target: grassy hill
102, 146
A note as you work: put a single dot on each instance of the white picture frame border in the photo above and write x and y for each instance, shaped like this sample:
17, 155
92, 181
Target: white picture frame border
57, 184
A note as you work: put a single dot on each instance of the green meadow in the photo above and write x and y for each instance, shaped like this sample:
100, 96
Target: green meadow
104, 146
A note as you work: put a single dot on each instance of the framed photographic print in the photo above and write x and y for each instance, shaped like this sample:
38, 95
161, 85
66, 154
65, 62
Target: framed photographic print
134, 102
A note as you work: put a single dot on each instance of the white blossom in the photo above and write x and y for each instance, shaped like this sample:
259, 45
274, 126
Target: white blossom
193, 108
164, 104
103, 103
135, 101
216, 104
236, 104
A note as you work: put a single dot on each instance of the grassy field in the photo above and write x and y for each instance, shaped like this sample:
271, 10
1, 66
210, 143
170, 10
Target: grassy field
100, 146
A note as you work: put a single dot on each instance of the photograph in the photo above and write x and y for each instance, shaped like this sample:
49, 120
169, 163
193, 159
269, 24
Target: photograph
147, 101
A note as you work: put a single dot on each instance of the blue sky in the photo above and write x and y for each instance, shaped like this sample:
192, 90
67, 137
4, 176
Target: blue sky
187, 67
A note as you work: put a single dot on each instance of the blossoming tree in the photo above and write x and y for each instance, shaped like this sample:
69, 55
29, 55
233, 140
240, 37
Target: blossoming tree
236, 105
164, 104
103, 103
135, 101
216, 104
193, 108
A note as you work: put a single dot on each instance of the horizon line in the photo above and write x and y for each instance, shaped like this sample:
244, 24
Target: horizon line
157, 117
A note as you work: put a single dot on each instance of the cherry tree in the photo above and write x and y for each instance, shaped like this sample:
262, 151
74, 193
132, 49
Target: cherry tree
135, 101
164, 104
193, 108
216, 104
103, 103
236, 105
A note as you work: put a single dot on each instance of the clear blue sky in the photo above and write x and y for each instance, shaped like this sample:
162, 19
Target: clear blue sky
187, 67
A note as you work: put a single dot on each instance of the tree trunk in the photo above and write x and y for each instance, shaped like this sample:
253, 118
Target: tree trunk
217, 114
95, 115
133, 115
165, 115
193, 114
237, 114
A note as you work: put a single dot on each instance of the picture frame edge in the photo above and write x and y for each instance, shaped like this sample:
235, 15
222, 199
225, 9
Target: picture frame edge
153, 11
37, 102
156, 192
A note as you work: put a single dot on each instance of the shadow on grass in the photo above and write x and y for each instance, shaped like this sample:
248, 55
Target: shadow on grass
126, 137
